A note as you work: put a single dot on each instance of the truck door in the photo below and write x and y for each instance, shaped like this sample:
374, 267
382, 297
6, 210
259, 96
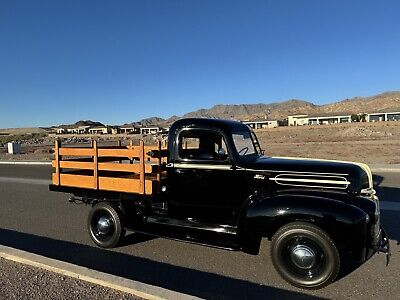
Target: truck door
207, 187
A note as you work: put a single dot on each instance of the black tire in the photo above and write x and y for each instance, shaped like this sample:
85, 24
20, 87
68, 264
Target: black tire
305, 255
105, 225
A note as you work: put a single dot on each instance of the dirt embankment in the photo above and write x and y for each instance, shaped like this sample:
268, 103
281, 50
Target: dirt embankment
363, 142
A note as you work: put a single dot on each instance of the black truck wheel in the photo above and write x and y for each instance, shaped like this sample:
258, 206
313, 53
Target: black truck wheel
305, 255
105, 225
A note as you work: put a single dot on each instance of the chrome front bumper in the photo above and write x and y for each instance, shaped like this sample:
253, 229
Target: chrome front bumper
383, 245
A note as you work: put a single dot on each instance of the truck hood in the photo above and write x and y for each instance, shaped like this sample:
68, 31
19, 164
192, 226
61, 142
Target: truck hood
313, 172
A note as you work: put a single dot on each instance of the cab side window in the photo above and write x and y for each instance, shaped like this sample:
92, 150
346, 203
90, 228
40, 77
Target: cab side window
201, 144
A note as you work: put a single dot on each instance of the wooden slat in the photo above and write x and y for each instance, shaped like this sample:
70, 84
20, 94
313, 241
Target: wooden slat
55, 179
96, 166
57, 162
159, 169
141, 184
134, 168
142, 168
74, 165
76, 151
126, 185
119, 152
76, 181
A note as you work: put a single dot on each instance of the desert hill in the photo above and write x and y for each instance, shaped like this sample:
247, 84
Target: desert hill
388, 101
385, 102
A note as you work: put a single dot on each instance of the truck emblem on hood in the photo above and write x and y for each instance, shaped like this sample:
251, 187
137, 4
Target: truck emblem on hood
259, 176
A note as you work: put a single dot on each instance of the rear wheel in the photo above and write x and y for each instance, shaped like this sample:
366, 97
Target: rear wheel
105, 225
305, 255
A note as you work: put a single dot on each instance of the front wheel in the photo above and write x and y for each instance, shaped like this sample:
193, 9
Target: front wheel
305, 255
105, 225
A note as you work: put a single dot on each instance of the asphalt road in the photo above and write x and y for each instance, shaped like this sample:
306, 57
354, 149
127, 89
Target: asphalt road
36, 220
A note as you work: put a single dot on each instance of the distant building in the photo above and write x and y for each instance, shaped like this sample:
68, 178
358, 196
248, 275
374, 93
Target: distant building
297, 120
383, 116
322, 120
129, 129
100, 130
262, 123
115, 130
70, 129
151, 130
78, 130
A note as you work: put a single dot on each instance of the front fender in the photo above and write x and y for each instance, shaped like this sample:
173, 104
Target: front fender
345, 223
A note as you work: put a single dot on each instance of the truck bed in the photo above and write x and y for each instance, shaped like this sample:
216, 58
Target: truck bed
127, 169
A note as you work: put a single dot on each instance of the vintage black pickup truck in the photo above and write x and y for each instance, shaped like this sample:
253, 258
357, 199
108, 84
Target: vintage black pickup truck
216, 188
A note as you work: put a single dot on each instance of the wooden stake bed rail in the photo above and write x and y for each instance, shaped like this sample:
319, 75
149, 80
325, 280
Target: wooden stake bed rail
127, 169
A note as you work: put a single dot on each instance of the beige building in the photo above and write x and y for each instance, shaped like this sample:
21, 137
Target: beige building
61, 130
383, 116
297, 120
322, 120
73, 130
100, 130
150, 130
129, 129
259, 124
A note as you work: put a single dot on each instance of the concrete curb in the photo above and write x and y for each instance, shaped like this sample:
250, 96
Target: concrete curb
388, 170
385, 168
135, 288
38, 163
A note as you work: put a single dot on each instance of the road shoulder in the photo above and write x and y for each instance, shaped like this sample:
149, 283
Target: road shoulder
121, 284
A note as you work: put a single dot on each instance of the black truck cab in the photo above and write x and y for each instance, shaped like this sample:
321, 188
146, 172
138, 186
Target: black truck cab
222, 191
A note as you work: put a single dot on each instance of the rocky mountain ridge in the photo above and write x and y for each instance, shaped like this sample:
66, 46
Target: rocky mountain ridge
388, 101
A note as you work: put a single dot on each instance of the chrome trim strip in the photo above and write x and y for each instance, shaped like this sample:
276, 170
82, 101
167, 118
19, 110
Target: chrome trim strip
322, 182
363, 166
203, 166
294, 172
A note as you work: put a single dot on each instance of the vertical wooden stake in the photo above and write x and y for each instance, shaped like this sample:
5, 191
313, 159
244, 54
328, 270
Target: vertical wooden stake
130, 147
57, 158
142, 167
159, 167
95, 166
119, 146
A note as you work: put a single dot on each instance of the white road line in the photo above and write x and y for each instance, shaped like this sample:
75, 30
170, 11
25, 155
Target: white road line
37, 163
133, 287
25, 180
389, 205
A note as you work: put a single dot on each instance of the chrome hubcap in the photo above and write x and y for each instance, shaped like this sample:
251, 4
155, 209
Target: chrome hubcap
303, 257
103, 225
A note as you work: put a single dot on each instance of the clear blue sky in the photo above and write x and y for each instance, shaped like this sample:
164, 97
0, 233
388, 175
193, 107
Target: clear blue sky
120, 61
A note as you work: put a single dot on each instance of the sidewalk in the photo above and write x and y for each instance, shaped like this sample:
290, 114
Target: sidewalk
19, 281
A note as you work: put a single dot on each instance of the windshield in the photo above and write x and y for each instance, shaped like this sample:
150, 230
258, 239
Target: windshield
245, 143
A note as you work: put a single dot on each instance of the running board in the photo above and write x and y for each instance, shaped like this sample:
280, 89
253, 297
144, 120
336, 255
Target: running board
193, 224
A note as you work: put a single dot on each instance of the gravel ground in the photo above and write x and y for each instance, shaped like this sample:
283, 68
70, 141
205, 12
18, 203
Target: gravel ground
19, 281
